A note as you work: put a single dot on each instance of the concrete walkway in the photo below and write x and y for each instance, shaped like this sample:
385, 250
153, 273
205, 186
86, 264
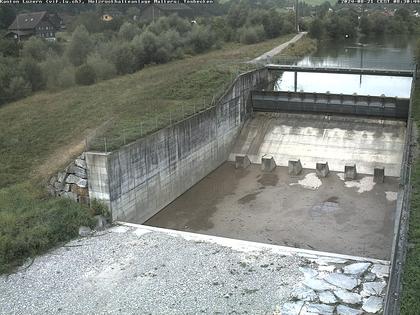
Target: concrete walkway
277, 50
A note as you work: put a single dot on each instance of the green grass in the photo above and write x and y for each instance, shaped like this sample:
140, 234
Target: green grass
41, 133
410, 303
31, 223
303, 47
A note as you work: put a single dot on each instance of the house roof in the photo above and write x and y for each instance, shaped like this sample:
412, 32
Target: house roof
172, 7
27, 20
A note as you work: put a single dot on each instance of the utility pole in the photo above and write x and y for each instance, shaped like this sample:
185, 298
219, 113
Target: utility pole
297, 15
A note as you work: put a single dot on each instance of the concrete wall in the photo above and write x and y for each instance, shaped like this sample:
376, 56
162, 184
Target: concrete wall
141, 178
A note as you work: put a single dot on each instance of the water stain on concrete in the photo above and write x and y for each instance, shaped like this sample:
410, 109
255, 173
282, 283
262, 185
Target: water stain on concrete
269, 179
248, 198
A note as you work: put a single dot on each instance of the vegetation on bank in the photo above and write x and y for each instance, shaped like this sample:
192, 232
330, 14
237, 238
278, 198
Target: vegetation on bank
301, 48
34, 129
410, 303
345, 23
97, 51
31, 223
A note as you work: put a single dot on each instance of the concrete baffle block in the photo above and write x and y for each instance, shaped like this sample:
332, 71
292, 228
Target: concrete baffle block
322, 169
350, 172
268, 164
242, 161
295, 167
379, 174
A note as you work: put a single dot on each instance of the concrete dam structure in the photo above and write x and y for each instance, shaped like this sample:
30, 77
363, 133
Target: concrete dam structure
316, 172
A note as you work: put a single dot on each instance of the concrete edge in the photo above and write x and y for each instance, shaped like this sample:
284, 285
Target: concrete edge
248, 246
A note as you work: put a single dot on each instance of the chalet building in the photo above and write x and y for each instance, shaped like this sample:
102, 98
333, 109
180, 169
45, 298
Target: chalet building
41, 24
154, 11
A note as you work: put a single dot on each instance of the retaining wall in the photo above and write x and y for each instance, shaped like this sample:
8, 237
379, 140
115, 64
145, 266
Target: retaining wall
141, 178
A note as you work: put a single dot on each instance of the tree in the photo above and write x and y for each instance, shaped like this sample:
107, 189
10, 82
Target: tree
128, 31
32, 73
366, 25
80, 46
237, 15
9, 47
124, 59
251, 35
7, 15
85, 75
35, 48
201, 38
272, 24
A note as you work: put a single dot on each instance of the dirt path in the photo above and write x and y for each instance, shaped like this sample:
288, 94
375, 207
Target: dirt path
277, 50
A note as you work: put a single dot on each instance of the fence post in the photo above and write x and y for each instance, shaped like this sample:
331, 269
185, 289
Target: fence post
105, 145
141, 129
170, 117
156, 123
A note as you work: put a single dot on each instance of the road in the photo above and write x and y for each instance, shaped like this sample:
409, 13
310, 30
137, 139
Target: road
277, 50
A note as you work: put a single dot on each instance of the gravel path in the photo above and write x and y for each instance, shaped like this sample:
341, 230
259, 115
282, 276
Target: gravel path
132, 270
277, 50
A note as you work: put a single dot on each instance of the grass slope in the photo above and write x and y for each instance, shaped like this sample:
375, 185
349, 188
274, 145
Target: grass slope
411, 279
34, 133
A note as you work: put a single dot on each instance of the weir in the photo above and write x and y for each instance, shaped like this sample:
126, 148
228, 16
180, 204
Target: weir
226, 171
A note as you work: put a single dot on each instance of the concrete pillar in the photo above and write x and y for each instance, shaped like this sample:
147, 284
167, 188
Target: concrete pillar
295, 167
379, 174
242, 161
267, 163
350, 172
322, 169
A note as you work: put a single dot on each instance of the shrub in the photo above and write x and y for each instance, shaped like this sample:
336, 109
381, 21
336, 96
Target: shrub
66, 78
251, 35
124, 59
128, 31
50, 71
35, 48
273, 24
32, 73
104, 69
18, 88
201, 38
80, 46
85, 75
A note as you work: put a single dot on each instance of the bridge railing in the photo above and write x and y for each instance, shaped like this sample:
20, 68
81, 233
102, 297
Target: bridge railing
331, 62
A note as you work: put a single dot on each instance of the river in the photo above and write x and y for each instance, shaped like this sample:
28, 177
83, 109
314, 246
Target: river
378, 53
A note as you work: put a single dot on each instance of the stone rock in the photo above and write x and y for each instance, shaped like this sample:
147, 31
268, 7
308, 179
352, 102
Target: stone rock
327, 297
53, 180
329, 268
66, 187
380, 270
372, 288
308, 272
61, 177
58, 186
321, 309
84, 231
357, 268
348, 297
325, 261
101, 223
369, 277
317, 285
78, 171
78, 190
80, 163
69, 195
345, 310
342, 281
51, 190
72, 179
304, 294
372, 304
292, 308
82, 183
82, 156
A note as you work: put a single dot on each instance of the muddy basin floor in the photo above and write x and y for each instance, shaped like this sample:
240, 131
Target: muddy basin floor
329, 214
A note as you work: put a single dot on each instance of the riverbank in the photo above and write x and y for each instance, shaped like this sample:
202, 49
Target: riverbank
40, 134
